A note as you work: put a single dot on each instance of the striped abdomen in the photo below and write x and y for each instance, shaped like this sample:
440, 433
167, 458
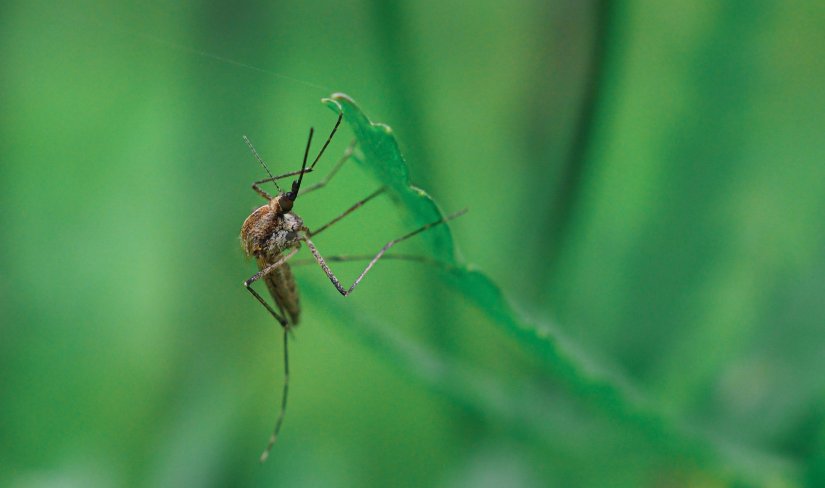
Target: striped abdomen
283, 289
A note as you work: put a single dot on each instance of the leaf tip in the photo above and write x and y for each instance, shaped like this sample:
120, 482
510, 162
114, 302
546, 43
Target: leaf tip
384, 127
342, 97
333, 103
338, 100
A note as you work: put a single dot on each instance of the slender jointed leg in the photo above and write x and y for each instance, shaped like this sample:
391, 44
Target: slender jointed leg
348, 211
324, 147
348, 258
274, 436
347, 155
281, 318
271, 178
260, 191
248, 284
387, 246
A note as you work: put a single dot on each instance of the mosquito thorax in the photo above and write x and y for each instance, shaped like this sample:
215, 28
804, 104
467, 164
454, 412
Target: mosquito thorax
284, 234
271, 229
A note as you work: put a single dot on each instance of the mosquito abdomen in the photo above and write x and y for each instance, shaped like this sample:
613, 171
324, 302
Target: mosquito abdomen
284, 291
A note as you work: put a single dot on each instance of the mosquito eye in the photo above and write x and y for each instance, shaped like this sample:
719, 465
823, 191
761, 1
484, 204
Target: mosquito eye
290, 195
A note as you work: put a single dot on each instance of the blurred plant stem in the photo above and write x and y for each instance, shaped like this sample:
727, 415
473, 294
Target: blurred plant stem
575, 166
390, 26
561, 109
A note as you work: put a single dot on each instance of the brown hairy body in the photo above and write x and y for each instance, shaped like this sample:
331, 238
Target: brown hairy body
266, 235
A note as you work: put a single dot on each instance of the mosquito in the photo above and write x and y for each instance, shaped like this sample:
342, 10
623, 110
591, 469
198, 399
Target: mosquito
273, 234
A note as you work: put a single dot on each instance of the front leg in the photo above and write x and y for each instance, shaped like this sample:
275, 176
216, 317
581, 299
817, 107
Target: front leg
347, 155
384, 249
348, 211
260, 191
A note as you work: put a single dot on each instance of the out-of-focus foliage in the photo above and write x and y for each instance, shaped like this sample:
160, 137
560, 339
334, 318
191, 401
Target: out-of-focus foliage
645, 185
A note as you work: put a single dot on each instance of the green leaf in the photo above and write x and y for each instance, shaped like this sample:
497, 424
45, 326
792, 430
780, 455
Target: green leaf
580, 371
381, 157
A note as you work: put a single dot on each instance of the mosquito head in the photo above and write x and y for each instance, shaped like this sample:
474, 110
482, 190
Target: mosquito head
281, 203
284, 201
292, 194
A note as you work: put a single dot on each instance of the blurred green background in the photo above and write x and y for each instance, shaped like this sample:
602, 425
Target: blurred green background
644, 178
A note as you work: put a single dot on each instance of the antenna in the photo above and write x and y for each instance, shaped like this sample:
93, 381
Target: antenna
255, 153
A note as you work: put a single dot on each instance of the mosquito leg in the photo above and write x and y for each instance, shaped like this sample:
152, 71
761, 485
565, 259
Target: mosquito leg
271, 178
277, 430
347, 211
281, 318
260, 274
348, 258
344, 159
260, 191
324, 147
387, 246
